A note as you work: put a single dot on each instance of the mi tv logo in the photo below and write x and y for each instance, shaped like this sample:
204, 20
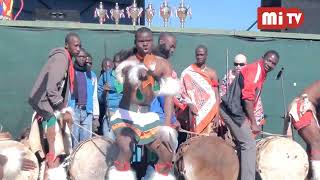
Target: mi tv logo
279, 18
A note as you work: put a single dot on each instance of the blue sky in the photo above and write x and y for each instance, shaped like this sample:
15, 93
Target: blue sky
213, 14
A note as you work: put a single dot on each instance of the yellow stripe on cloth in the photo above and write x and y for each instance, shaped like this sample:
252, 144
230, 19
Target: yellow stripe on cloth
144, 125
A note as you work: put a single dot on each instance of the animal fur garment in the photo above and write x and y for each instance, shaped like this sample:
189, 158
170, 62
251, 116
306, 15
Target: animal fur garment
58, 114
151, 174
134, 74
169, 87
58, 173
119, 70
115, 174
14, 160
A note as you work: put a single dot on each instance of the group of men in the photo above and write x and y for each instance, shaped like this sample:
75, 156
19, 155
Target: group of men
140, 90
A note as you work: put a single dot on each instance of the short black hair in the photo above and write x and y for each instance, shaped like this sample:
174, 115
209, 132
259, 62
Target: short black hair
69, 36
201, 46
165, 34
141, 30
123, 54
271, 52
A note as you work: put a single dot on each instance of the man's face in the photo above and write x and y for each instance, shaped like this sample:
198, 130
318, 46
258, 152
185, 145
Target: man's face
201, 56
239, 63
170, 44
73, 46
270, 62
144, 43
89, 62
81, 58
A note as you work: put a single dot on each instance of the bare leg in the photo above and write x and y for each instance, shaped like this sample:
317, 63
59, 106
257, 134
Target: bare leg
165, 155
311, 135
121, 168
52, 161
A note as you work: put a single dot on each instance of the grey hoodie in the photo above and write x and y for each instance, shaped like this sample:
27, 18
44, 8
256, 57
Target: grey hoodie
47, 93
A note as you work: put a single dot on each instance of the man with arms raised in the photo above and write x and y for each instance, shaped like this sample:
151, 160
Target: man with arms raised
133, 122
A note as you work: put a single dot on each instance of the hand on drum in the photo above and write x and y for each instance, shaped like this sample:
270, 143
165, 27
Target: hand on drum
193, 109
255, 128
27, 165
176, 125
95, 124
67, 117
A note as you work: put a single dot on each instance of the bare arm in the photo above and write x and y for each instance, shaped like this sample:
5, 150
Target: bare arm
215, 78
165, 72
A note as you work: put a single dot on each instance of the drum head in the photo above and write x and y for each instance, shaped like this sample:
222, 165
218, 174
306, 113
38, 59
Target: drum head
281, 158
92, 158
24, 175
207, 157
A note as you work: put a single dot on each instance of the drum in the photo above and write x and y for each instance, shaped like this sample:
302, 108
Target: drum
281, 158
206, 157
6, 143
92, 159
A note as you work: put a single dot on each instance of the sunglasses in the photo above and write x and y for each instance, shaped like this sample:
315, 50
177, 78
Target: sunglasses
239, 64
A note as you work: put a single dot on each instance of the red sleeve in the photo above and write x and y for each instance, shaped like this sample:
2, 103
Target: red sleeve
214, 83
249, 87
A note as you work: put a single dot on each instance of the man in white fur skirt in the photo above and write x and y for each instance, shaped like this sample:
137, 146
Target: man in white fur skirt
133, 122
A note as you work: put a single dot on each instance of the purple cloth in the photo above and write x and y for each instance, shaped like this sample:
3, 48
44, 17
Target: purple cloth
82, 88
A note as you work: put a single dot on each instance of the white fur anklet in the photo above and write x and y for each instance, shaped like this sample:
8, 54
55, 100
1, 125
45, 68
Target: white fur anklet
58, 173
151, 174
115, 174
315, 165
13, 166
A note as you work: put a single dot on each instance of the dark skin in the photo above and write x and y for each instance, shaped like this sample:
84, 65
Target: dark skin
169, 43
73, 47
115, 63
125, 140
270, 62
201, 59
311, 133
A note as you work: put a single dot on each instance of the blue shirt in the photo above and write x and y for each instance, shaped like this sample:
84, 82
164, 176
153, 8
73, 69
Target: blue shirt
114, 95
157, 106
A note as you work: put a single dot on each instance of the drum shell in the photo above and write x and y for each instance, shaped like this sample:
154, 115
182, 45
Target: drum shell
24, 175
207, 157
92, 159
281, 158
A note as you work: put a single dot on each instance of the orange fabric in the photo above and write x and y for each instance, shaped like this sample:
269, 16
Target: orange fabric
148, 60
198, 70
214, 110
207, 120
70, 71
